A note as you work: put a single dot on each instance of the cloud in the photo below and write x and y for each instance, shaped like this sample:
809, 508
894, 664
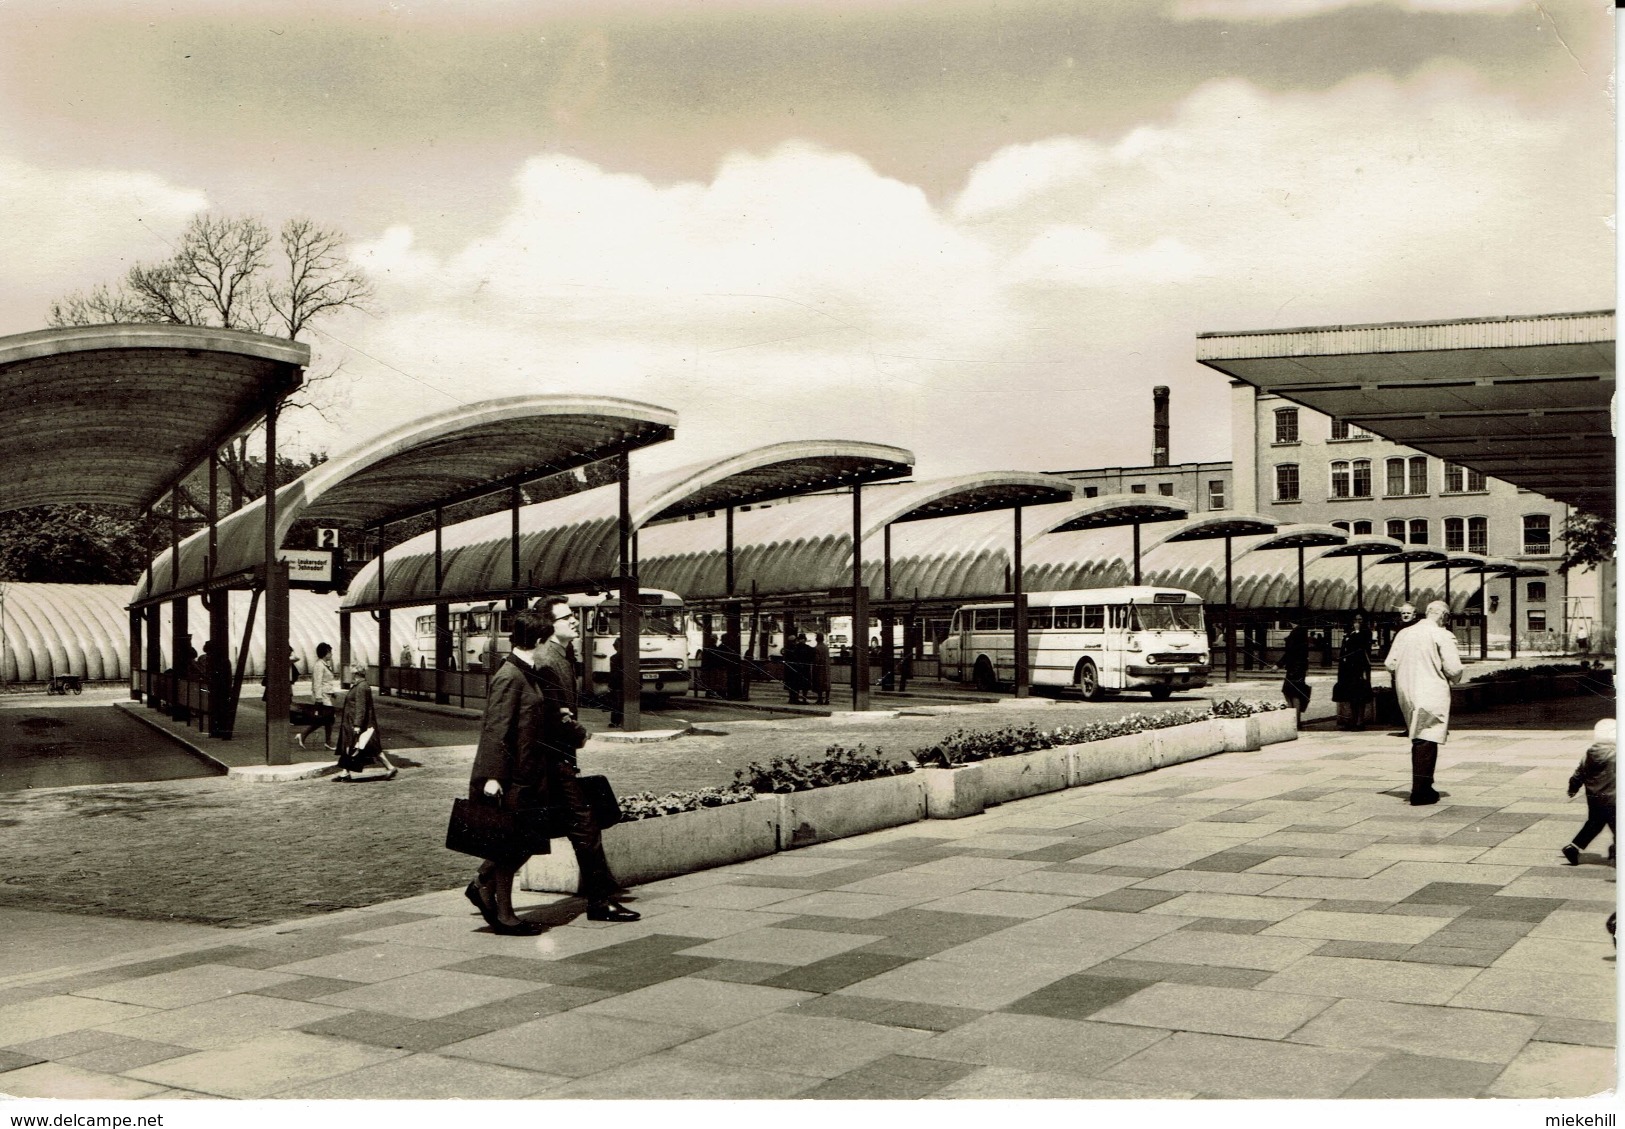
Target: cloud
1299, 9
799, 293
65, 226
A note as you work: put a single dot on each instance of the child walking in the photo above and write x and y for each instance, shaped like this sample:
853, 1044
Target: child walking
1596, 775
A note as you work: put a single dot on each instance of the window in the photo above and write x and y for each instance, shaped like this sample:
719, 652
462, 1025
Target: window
1071, 618
1286, 482
1478, 535
958, 620
1094, 618
1362, 477
1341, 482
1396, 478
1215, 494
1091, 491
1455, 534
1419, 474
1362, 529
1419, 531
1119, 616
1342, 429
1537, 619
1040, 618
1137, 488
1537, 591
1396, 528
1166, 489
1460, 480
1537, 535
987, 619
1286, 425
1343, 525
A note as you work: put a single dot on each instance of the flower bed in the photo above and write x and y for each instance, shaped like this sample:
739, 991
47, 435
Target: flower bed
647, 805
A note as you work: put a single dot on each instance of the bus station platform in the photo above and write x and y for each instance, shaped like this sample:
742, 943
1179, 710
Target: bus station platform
1273, 924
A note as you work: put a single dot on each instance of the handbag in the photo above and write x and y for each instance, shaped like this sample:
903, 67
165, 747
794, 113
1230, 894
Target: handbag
365, 739
489, 831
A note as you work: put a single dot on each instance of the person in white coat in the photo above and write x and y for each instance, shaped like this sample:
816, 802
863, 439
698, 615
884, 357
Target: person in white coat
1425, 662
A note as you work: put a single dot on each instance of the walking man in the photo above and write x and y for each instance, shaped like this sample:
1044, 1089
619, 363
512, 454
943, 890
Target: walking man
1425, 662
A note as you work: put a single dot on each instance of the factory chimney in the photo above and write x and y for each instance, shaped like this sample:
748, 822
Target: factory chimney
1159, 425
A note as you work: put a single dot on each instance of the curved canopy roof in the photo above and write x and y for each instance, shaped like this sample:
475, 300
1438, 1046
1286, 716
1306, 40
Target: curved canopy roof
114, 414
763, 474
1308, 535
574, 541
1524, 399
806, 547
1416, 554
1367, 545
1221, 525
1459, 561
423, 464
1109, 510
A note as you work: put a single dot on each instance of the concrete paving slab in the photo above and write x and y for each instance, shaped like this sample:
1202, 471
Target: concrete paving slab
58, 1080
1477, 1036
1228, 1067
1042, 1044
423, 1077
429, 994
1216, 1010
265, 1065
815, 1045
780, 946
221, 1022
1354, 978
571, 1043
1547, 1070
1357, 926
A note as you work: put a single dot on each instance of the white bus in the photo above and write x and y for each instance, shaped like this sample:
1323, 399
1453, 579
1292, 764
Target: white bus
1093, 640
480, 637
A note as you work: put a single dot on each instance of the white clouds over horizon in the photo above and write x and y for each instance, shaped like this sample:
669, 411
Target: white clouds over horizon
800, 293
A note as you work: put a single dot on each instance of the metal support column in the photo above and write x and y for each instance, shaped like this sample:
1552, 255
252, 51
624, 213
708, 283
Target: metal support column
1359, 582
631, 687
1229, 618
860, 609
1407, 582
176, 692
386, 657
1022, 674
1484, 615
1512, 622
888, 653
344, 648
735, 671
222, 719
442, 614
516, 602
135, 654
1136, 552
278, 690
1301, 607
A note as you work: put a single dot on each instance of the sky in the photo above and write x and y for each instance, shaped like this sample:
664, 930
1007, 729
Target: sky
980, 231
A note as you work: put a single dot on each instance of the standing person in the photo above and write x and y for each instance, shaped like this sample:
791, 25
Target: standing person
359, 740
798, 664
323, 687
1425, 663
1295, 663
1352, 692
617, 710
820, 671
1596, 776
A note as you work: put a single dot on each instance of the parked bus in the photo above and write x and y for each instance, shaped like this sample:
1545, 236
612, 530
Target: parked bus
1092, 640
479, 637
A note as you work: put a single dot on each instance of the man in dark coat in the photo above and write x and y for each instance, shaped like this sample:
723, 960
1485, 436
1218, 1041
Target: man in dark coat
526, 757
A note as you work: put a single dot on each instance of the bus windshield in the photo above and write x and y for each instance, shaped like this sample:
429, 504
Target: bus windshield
1167, 617
655, 621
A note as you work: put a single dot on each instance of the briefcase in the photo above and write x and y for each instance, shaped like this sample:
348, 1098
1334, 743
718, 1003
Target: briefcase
606, 809
490, 831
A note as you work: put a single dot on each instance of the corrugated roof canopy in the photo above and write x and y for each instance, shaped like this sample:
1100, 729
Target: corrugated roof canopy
574, 541
1307, 535
1414, 556
423, 464
1221, 525
1109, 510
780, 470
1367, 545
115, 414
1524, 399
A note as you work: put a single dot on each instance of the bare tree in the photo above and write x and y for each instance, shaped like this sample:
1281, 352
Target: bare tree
224, 273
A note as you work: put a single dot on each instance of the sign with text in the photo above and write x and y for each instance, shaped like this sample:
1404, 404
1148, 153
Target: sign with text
308, 568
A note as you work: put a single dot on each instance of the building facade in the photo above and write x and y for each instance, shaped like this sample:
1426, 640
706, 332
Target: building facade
1206, 485
1298, 465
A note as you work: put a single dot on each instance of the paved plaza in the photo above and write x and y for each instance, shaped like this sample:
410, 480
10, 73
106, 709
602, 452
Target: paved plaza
1275, 924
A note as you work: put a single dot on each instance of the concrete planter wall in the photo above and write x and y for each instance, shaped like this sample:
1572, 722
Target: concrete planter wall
645, 850
1182, 743
1240, 734
953, 793
1026, 774
1112, 758
1276, 726
822, 814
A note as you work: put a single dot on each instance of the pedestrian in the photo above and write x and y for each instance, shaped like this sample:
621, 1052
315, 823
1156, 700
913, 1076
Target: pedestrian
527, 756
323, 687
1425, 663
1582, 637
1596, 776
1352, 691
1295, 665
820, 671
360, 742
798, 667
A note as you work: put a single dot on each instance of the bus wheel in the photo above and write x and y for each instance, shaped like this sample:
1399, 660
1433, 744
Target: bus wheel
984, 676
1161, 693
1089, 681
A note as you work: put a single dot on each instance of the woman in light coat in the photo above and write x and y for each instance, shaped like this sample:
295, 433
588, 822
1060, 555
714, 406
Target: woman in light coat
323, 687
1425, 663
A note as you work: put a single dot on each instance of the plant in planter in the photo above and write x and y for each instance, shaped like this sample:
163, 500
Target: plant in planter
1235, 707
839, 765
646, 805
